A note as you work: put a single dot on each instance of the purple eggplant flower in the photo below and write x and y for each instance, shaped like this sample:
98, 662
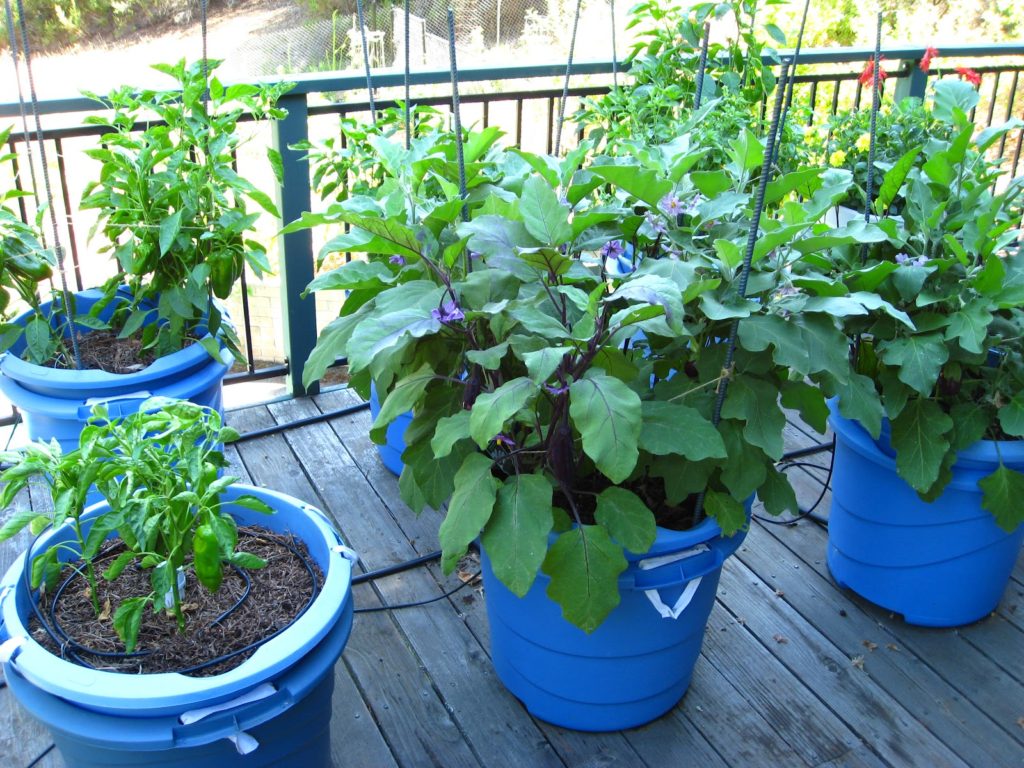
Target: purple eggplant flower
503, 440
670, 205
448, 313
398, 260
691, 206
557, 389
475, 255
656, 222
613, 249
786, 291
902, 258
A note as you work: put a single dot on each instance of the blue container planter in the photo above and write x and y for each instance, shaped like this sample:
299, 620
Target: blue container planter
56, 403
634, 667
102, 718
940, 564
394, 446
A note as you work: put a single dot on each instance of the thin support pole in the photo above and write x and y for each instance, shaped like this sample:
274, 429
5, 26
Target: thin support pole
57, 248
615, 49
869, 191
702, 65
203, 9
792, 77
366, 60
568, 73
748, 257
408, 123
456, 109
13, 40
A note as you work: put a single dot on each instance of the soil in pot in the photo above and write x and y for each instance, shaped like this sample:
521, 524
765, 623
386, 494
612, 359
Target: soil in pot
249, 607
107, 351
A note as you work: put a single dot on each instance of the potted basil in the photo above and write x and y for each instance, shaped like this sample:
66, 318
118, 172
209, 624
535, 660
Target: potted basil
175, 217
99, 614
929, 469
567, 417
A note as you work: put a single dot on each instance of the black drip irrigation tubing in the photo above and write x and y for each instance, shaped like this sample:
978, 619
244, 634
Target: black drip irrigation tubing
326, 416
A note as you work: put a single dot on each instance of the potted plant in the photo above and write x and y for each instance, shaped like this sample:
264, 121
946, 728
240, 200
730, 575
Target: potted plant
925, 517
100, 614
173, 211
370, 165
567, 418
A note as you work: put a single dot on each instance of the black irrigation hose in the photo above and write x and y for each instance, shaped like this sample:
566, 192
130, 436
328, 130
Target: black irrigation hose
326, 416
397, 568
418, 603
38, 758
808, 512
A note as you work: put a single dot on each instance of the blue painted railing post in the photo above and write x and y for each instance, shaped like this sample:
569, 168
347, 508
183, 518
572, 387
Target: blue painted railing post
298, 314
913, 83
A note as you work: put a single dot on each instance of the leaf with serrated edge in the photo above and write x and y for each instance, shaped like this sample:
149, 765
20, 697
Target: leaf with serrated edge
755, 402
516, 536
469, 510
727, 512
777, 494
920, 437
1011, 416
627, 519
671, 428
919, 359
1001, 495
607, 414
584, 565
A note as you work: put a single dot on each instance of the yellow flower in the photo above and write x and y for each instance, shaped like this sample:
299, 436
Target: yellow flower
837, 158
863, 143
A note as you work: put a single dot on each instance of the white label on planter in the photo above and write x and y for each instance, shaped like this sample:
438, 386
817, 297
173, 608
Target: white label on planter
243, 742
8, 648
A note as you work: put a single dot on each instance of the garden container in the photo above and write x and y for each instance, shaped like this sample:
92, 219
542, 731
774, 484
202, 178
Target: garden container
273, 709
637, 664
56, 403
394, 446
940, 564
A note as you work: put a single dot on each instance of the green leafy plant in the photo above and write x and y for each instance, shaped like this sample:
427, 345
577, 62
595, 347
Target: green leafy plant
24, 265
159, 472
172, 207
948, 371
563, 415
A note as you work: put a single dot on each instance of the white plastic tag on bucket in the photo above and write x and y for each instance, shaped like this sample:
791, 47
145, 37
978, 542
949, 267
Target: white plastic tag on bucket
9, 647
676, 610
243, 742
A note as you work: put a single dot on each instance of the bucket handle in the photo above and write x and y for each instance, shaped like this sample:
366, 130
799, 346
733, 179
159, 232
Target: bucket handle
674, 569
118, 406
681, 604
222, 718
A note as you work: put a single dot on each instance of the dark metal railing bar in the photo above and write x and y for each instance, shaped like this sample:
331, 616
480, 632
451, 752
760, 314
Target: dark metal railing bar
992, 100
259, 374
65, 194
519, 122
250, 358
16, 171
835, 97
812, 98
487, 113
1016, 153
551, 125
857, 95
1009, 110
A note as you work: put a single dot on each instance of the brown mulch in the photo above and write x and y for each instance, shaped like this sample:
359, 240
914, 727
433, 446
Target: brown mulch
279, 592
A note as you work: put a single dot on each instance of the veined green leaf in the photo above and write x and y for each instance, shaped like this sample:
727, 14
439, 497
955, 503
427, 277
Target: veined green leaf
919, 358
492, 409
672, 428
406, 393
920, 437
607, 414
544, 216
1001, 495
627, 519
469, 510
755, 402
516, 536
584, 565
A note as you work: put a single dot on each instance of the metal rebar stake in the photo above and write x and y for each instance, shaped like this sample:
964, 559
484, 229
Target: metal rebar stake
408, 132
568, 73
366, 60
748, 258
457, 119
702, 65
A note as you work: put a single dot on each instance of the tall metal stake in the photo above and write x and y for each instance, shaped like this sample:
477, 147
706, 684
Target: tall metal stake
748, 257
366, 60
869, 191
13, 41
459, 154
57, 248
568, 73
615, 50
702, 65
792, 76
408, 133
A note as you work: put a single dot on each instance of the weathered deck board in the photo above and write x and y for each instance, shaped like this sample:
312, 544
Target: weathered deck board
776, 685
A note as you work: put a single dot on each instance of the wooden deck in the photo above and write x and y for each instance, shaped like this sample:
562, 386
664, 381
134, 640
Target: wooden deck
794, 671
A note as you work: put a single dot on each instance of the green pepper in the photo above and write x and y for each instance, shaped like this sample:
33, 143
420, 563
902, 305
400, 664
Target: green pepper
206, 557
29, 266
223, 275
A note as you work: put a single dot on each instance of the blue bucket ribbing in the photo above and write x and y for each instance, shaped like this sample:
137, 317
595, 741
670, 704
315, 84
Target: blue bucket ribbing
106, 718
55, 403
942, 564
634, 667
394, 446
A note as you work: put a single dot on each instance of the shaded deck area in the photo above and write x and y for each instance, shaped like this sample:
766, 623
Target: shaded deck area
794, 671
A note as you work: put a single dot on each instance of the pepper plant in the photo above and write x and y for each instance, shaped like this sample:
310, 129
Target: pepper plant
952, 264
564, 415
159, 470
172, 207
24, 265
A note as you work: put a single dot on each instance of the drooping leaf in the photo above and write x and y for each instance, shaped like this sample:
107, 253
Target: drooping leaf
727, 512
673, 428
643, 184
755, 403
584, 565
627, 519
1002, 492
404, 395
516, 536
920, 437
778, 495
969, 325
607, 414
449, 430
128, 619
1011, 416
492, 409
893, 180
469, 510
544, 216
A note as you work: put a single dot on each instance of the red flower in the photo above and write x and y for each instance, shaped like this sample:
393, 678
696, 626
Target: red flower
969, 75
867, 77
926, 60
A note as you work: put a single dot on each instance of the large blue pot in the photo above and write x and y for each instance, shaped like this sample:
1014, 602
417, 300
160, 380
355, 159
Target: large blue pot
635, 666
940, 564
56, 403
394, 445
102, 718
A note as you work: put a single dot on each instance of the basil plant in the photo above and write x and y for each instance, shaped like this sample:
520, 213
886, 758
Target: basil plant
565, 412
947, 369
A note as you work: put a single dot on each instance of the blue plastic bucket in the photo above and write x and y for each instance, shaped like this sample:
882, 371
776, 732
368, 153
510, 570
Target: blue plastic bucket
939, 564
634, 667
139, 714
56, 403
394, 446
